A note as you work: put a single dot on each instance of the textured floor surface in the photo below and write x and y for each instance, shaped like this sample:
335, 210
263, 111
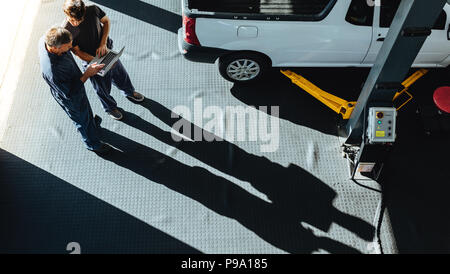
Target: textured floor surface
155, 195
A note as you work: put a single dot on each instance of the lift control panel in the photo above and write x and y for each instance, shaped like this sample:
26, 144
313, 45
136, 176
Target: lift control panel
381, 125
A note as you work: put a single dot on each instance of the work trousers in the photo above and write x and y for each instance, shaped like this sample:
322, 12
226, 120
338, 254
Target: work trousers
79, 111
102, 85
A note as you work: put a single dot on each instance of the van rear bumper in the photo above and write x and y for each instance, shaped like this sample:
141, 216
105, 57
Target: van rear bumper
198, 53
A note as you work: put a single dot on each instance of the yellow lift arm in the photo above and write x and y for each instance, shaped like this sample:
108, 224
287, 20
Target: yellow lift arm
407, 83
339, 105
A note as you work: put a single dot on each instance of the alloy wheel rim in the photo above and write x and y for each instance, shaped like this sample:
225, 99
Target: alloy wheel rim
243, 70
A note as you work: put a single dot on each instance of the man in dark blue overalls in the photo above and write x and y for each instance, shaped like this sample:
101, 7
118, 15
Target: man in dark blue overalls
90, 27
67, 84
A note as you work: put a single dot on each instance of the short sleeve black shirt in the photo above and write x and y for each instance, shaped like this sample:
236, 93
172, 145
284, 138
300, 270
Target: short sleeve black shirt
88, 34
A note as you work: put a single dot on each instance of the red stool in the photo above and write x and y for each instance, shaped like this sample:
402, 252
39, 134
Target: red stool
441, 98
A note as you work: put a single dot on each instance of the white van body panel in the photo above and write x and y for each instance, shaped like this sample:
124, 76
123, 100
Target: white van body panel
331, 42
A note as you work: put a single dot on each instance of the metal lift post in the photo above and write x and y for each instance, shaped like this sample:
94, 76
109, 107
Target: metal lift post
407, 34
372, 119
410, 28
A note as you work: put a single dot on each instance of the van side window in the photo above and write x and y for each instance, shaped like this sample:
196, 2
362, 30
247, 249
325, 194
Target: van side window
278, 7
389, 9
360, 13
297, 7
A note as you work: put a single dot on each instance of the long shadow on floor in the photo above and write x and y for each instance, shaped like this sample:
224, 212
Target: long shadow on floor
298, 106
296, 196
40, 213
145, 12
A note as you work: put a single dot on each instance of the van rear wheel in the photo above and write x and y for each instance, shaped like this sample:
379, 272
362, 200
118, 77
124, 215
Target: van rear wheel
243, 67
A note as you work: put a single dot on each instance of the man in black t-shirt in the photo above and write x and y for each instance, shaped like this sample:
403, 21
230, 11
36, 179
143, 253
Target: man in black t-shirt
90, 28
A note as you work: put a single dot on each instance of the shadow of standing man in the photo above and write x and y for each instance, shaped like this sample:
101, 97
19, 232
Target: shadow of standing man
219, 195
298, 194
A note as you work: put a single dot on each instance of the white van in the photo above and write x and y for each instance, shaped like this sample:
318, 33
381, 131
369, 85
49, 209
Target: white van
249, 36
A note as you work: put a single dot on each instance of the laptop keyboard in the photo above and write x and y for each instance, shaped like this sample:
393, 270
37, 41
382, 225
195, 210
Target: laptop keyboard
108, 58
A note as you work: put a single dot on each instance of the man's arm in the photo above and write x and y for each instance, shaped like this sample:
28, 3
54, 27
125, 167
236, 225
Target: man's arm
81, 54
102, 49
91, 71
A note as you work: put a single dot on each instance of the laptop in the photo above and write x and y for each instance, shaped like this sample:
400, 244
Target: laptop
108, 59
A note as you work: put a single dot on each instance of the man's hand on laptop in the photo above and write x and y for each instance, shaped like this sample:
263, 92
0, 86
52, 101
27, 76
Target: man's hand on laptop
91, 70
102, 50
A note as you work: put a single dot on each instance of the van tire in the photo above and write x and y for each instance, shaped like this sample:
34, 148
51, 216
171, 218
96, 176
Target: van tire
243, 67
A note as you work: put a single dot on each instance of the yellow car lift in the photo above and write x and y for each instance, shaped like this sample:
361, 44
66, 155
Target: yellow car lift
339, 105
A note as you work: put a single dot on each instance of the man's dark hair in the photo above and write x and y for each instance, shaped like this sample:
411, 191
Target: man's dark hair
76, 9
57, 36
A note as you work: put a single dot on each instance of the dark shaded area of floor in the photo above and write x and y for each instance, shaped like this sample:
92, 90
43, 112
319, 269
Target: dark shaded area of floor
40, 213
145, 12
416, 179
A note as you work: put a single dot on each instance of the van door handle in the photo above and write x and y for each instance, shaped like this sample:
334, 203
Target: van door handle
381, 39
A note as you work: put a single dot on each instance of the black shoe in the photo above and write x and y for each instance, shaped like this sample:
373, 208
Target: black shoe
136, 97
104, 149
115, 114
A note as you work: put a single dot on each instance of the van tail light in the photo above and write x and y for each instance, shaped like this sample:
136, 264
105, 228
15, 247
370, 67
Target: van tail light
189, 31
